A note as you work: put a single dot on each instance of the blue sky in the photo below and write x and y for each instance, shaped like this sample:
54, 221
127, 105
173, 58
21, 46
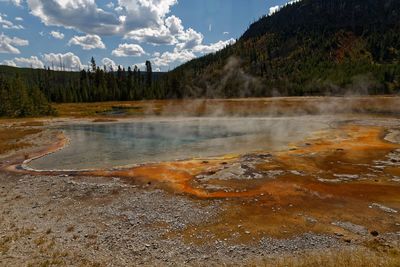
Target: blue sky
67, 33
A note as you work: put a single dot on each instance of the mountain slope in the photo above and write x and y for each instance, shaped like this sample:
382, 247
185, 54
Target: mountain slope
312, 47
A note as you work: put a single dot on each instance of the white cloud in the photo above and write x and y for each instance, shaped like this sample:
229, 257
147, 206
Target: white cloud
31, 62
110, 5
126, 50
67, 61
152, 36
273, 10
6, 24
225, 33
145, 13
170, 32
109, 63
87, 42
86, 16
180, 55
83, 15
14, 2
140, 66
8, 63
212, 48
174, 25
57, 35
190, 39
19, 19
8, 44
167, 59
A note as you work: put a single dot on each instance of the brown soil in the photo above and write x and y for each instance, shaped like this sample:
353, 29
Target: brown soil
341, 183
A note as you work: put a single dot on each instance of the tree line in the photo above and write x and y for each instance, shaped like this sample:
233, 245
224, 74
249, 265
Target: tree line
311, 47
19, 100
28, 92
100, 84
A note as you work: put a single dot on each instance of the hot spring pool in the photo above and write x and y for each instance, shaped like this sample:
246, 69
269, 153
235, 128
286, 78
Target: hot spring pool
94, 146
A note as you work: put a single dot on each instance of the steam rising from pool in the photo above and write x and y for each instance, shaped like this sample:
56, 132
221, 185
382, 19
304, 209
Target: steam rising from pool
99, 146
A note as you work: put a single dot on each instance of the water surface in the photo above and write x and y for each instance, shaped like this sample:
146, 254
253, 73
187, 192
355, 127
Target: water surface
109, 145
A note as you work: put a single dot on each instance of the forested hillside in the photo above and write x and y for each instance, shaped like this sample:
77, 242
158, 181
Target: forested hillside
311, 47
27, 92
19, 100
95, 84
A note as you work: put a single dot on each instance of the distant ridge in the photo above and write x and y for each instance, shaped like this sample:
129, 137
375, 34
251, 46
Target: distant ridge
311, 47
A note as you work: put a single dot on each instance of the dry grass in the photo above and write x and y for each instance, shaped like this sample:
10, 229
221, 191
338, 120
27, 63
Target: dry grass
7, 240
11, 138
81, 110
32, 123
251, 106
104, 120
357, 257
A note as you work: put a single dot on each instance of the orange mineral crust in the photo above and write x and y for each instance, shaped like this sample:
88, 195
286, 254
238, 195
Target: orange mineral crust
342, 180
334, 179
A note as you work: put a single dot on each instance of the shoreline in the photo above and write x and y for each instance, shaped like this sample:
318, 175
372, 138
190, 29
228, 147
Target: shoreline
251, 209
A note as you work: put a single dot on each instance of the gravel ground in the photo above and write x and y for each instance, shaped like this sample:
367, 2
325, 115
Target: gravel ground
62, 220
90, 221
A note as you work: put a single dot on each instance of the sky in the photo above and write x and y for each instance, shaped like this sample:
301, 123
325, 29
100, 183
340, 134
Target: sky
67, 33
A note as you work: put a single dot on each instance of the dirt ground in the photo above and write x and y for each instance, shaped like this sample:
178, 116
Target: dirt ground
331, 200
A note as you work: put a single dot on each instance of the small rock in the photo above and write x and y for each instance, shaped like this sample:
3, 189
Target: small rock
374, 233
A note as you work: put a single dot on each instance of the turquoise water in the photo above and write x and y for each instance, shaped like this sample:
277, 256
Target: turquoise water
109, 145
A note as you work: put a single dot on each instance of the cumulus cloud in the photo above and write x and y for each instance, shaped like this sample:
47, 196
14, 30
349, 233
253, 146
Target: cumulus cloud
87, 42
8, 44
19, 19
172, 58
88, 17
273, 10
67, 61
31, 62
109, 63
190, 39
174, 25
8, 63
57, 35
127, 50
212, 48
170, 32
14, 2
183, 53
110, 5
144, 13
82, 15
152, 36
6, 24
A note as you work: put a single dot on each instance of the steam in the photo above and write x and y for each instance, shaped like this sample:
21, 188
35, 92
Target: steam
191, 128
